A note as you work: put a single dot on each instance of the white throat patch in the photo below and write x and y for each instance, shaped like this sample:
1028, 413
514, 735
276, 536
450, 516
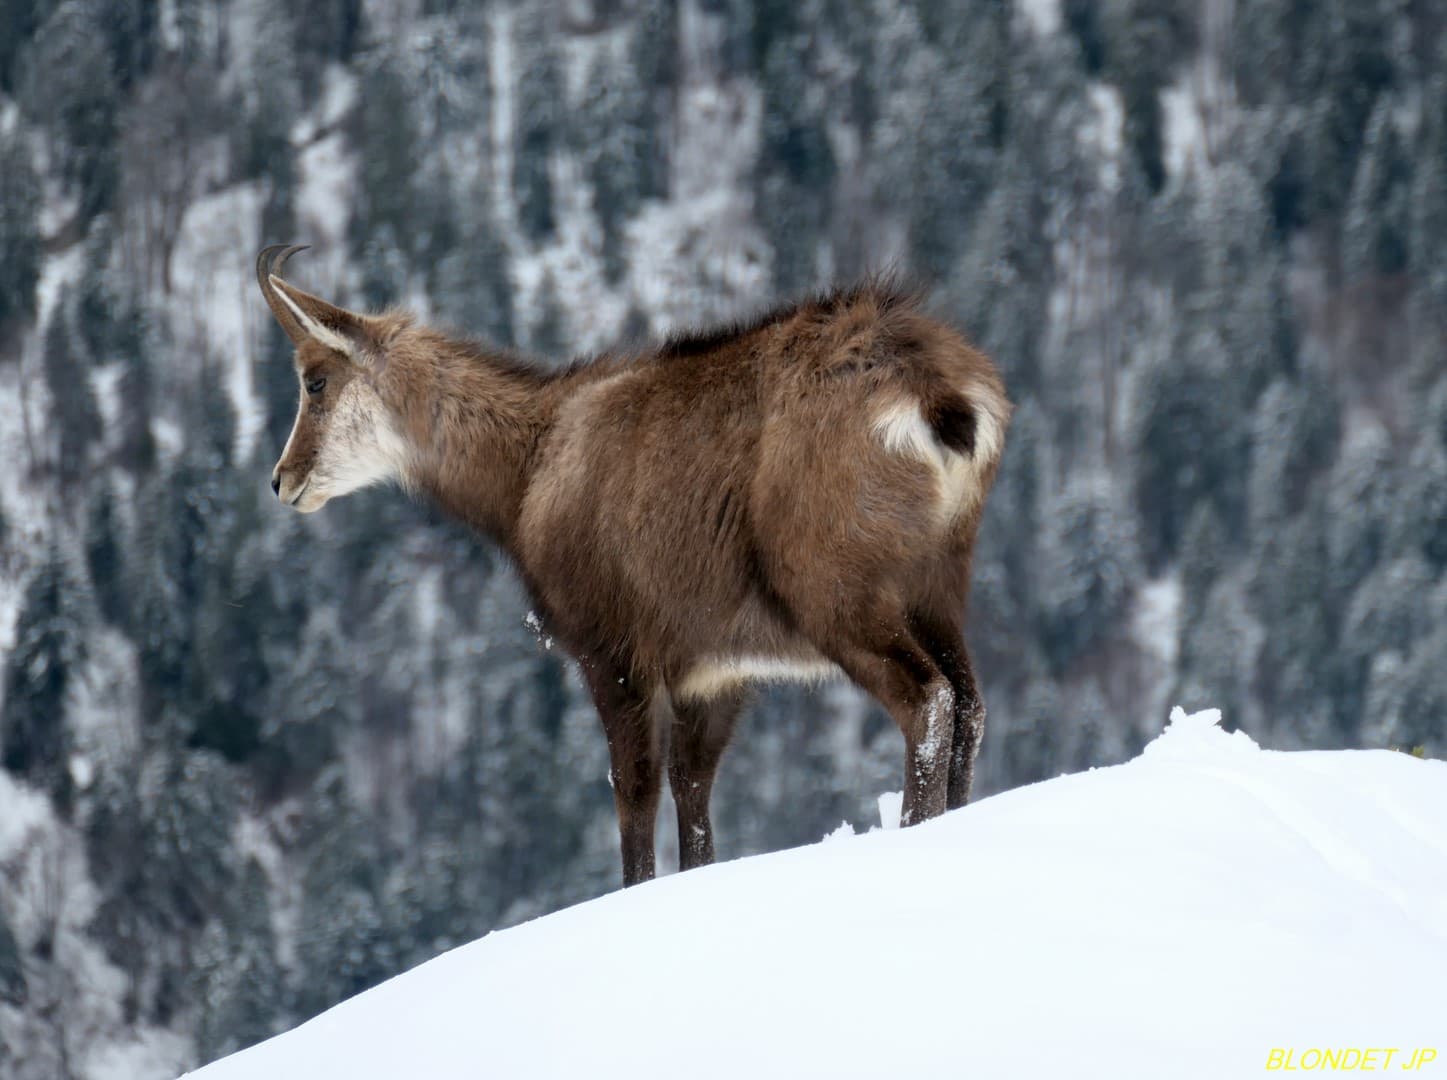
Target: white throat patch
362, 445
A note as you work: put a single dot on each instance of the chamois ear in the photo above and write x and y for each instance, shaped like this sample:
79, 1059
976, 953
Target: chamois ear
304, 316
336, 328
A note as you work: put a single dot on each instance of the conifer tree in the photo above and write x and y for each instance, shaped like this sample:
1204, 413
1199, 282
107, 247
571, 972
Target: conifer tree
1427, 212
538, 126
49, 646
12, 970
237, 975
19, 235
1087, 555
796, 166
615, 137
472, 283
70, 88
388, 154
1375, 237
67, 377
1188, 443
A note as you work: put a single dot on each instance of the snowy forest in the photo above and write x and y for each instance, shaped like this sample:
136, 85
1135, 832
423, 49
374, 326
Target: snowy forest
252, 763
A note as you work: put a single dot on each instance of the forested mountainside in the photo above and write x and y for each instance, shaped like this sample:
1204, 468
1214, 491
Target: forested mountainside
254, 762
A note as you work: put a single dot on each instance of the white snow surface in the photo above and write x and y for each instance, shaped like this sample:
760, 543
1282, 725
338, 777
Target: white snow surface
1179, 915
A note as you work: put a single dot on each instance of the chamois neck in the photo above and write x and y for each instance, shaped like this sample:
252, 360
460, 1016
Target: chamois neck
473, 419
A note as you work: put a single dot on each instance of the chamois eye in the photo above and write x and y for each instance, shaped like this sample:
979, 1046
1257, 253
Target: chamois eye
316, 385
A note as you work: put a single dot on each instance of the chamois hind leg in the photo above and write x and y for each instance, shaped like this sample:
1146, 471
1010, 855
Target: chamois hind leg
701, 732
946, 645
901, 674
628, 714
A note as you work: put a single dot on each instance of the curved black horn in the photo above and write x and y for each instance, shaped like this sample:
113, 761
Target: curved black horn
269, 262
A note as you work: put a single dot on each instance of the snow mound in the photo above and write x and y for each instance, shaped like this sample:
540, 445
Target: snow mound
1184, 914
1192, 737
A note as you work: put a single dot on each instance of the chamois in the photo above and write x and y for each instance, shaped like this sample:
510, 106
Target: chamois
794, 497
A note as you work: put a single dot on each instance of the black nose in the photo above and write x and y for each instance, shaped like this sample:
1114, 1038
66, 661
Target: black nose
276, 484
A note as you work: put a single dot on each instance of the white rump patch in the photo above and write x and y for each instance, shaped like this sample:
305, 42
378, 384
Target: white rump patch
991, 413
903, 430
709, 677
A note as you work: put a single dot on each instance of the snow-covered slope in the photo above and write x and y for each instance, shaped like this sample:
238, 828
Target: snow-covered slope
1180, 915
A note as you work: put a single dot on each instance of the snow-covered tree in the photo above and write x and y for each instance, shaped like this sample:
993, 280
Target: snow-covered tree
537, 128
1375, 237
1086, 555
49, 645
69, 86
19, 233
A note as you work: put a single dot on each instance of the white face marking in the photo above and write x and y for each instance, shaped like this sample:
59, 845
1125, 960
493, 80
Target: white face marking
286, 450
715, 674
361, 446
902, 428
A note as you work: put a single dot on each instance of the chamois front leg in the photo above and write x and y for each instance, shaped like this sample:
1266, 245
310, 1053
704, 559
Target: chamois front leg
701, 732
627, 712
